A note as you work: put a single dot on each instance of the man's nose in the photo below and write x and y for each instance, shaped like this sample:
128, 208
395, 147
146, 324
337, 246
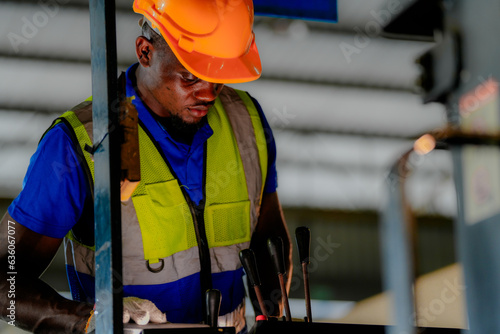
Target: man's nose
207, 91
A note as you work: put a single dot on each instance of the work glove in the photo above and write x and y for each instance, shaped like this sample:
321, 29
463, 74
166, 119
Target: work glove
142, 311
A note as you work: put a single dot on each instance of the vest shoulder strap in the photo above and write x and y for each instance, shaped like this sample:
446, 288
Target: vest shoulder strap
249, 133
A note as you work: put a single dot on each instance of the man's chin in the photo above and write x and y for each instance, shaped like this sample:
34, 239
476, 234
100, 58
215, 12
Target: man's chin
191, 121
189, 124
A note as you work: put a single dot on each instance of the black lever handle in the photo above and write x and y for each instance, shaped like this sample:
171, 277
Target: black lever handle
247, 258
303, 238
213, 300
275, 247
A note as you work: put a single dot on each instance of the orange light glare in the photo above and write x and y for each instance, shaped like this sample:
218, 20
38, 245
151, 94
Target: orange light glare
424, 144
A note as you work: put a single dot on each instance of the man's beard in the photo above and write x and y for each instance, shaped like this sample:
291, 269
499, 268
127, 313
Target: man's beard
179, 129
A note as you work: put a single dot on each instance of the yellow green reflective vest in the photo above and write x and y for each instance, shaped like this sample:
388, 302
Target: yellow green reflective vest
161, 232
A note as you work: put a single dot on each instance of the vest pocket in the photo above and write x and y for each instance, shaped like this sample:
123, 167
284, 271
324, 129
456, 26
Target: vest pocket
228, 223
164, 219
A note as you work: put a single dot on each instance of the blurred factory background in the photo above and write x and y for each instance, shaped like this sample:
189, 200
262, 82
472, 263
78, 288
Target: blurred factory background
339, 97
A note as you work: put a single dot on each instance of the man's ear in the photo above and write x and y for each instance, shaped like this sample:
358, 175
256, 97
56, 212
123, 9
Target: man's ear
143, 51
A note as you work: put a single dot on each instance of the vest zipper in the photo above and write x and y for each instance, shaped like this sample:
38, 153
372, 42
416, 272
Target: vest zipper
197, 212
203, 249
206, 265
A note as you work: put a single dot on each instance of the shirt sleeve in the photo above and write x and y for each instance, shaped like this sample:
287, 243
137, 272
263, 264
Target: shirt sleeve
271, 183
54, 187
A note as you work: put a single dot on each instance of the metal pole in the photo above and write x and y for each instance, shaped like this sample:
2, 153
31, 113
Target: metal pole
108, 282
476, 167
397, 252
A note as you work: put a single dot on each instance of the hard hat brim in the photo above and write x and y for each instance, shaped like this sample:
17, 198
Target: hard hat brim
220, 70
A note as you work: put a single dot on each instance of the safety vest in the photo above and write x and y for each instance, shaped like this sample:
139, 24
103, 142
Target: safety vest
161, 229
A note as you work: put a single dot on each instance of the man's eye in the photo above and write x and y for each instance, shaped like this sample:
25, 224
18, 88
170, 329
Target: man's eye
190, 78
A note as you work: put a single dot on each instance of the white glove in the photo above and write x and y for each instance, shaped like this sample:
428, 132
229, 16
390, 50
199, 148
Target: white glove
142, 311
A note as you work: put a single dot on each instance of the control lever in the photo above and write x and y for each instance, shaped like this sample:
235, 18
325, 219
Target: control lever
275, 247
247, 258
213, 300
303, 238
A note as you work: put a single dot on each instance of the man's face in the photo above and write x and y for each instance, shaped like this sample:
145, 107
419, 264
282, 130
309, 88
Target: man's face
178, 92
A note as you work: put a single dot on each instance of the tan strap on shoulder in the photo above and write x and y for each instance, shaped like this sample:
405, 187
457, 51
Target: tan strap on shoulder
245, 137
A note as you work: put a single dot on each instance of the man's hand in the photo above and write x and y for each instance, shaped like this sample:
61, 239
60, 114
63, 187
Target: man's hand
142, 311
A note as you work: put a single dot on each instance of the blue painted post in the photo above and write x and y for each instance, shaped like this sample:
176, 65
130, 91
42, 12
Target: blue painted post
397, 252
108, 282
473, 107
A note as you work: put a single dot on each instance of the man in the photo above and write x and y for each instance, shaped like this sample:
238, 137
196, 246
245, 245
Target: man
207, 190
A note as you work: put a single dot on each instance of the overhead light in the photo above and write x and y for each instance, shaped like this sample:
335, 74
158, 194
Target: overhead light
424, 144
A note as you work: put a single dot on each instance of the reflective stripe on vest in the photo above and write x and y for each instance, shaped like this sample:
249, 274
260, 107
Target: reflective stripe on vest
236, 168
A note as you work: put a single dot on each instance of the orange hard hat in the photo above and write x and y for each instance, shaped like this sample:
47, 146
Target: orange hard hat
213, 39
